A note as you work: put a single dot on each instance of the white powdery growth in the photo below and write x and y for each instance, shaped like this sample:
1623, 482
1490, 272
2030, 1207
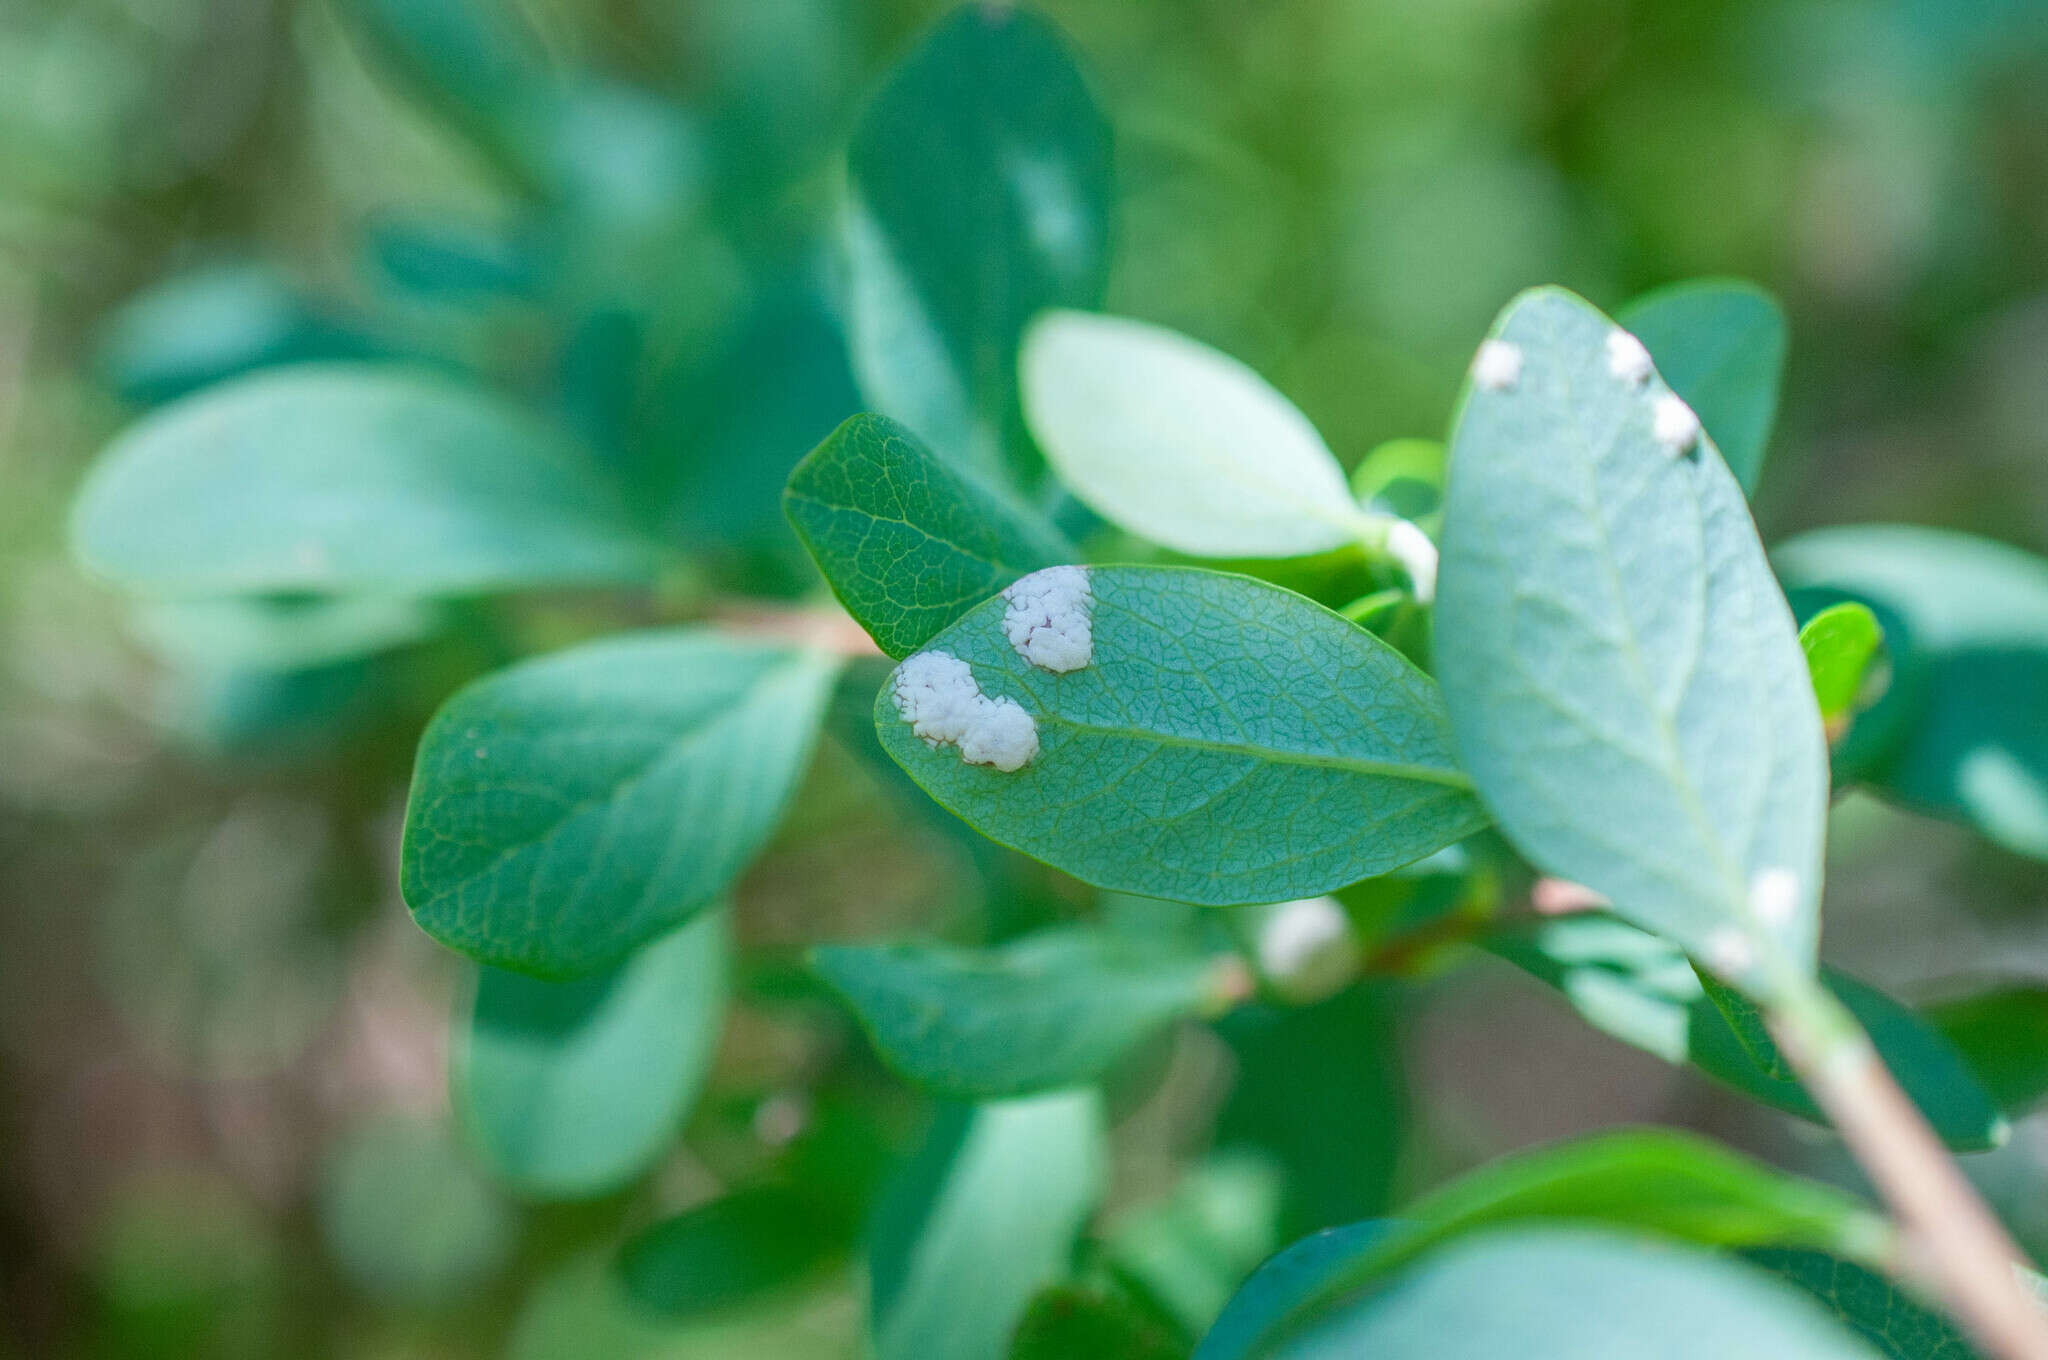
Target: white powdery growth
936, 694
1774, 896
1729, 953
1411, 547
1050, 619
1306, 949
1497, 366
1673, 424
1627, 359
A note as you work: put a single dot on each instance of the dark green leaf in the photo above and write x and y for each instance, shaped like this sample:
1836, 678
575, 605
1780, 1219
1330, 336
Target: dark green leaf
907, 543
350, 479
980, 178
2002, 1035
1840, 644
1572, 1293
1050, 1010
1624, 680
1283, 1283
1188, 1252
1962, 732
1225, 741
985, 1214
571, 1089
1721, 344
571, 807
1641, 990
1078, 1322
729, 1250
1882, 1313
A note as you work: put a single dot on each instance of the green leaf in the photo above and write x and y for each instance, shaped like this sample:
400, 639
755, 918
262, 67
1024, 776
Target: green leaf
907, 543
1189, 1252
986, 1213
1962, 732
1050, 1010
1080, 1322
729, 1250
1225, 742
571, 807
1188, 447
1283, 1283
281, 632
572, 1089
407, 1217
2002, 1035
980, 178
1624, 680
1890, 1319
350, 479
1721, 345
1569, 1293
1402, 477
1641, 990
1840, 643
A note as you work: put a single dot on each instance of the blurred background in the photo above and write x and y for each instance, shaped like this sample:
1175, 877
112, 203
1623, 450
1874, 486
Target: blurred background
224, 1127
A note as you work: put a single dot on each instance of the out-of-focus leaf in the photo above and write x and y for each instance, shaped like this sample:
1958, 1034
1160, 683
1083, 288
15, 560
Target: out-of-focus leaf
1840, 644
1558, 1293
1079, 1322
1281, 1284
980, 178
1050, 1010
407, 1217
1283, 751
1188, 1252
985, 1215
572, 806
1898, 1325
350, 479
1963, 730
1721, 345
440, 261
729, 1250
219, 322
1175, 441
571, 1089
1402, 477
907, 543
1643, 991
2002, 1035
282, 632
1624, 680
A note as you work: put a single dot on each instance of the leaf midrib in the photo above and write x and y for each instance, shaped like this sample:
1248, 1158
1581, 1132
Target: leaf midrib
1427, 774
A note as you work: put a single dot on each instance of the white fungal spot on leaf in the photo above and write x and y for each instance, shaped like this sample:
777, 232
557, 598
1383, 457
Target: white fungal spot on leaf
1774, 896
1729, 953
1412, 548
1497, 366
936, 693
1627, 359
1306, 949
1050, 619
1674, 425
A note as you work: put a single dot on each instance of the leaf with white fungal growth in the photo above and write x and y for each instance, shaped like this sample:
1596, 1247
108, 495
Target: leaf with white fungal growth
1623, 677
1227, 742
1175, 441
1049, 618
1720, 344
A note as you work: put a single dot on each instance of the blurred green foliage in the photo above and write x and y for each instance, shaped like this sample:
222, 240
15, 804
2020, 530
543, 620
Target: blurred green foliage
222, 1101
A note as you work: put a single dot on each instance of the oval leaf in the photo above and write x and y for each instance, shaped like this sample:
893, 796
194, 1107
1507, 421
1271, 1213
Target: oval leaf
1841, 642
338, 478
1179, 443
2002, 1035
1225, 742
980, 179
906, 543
986, 1213
1962, 733
571, 807
1051, 1010
571, 1089
1624, 679
729, 1250
1567, 1293
1721, 345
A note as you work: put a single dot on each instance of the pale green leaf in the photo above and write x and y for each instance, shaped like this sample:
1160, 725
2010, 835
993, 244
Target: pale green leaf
1624, 679
1841, 643
1179, 443
571, 807
1226, 742
350, 479
1721, 345
571, 1089
906, 542
1050, 1010
986, 1213
281, 632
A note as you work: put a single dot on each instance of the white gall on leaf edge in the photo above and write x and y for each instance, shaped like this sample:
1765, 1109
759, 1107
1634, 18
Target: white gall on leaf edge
1627, 359
1674, 425
1497, 366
